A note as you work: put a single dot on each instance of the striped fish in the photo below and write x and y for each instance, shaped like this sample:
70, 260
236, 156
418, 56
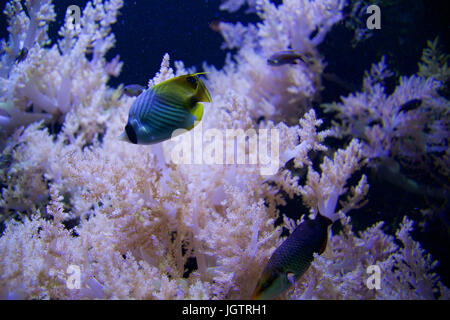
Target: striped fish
170, 105
293, 257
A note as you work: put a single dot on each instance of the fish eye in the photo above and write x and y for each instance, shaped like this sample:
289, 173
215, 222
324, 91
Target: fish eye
131, 133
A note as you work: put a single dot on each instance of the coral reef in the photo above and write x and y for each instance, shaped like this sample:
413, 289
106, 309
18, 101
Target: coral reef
89, 217
299, 25
53, 81
409, 122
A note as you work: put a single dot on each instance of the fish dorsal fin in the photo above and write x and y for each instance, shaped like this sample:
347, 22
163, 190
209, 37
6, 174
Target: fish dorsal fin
188, 85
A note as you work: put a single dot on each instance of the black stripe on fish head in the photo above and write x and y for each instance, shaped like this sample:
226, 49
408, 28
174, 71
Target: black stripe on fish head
131, 133
192, 102
193, 81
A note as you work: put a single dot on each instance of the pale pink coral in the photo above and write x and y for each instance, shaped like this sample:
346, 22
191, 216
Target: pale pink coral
55, 80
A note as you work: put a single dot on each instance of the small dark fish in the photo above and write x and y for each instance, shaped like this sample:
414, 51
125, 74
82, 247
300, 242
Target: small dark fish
291, 260
285, 57
411, 105
133, 90
389, 170
22, 55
